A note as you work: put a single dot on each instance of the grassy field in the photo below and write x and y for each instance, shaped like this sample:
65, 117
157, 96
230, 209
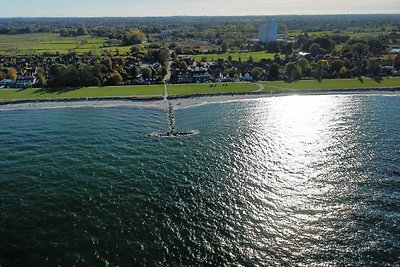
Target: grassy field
330, 84
39, 43
257, 56
188, 89
191, 89
352, 32
119, 91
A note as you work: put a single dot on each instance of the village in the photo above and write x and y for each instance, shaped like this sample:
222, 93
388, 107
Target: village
152, 61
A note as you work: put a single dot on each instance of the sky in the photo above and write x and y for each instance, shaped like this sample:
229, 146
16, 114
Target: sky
143, 8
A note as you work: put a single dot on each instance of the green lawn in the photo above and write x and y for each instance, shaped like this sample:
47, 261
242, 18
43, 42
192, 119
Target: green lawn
257, 56
39, 43
192, 89
111, 91
330, 84
91, 92
188, 89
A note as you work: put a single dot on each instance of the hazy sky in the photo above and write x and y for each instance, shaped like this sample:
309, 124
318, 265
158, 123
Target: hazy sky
133, 8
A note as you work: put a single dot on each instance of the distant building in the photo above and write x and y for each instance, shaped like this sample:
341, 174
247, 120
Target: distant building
268, 32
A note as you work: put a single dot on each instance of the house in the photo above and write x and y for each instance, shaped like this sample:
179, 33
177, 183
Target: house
143, 80
200, 75
246, 77
185, 77
8, 83
25, 81
395, 50
224, 79
184, 57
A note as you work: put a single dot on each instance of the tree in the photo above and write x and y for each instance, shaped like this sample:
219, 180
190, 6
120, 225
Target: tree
290, 69
224, 47
163, 56
12, 73
315, 49
183, 66
396, 62
147, 72
133, 71
337, 65
257, 73
359, 49
86, 77
133, 37
298, 73
114, 78
82, 31
325, 42
107, 62
282, 28
273, 47
323, 64
121, 62
164, 71
374, 67
64, 32
289, 49
58, 75
135, 50
274, 71
344, 72
42, 82
303, 64
72, 76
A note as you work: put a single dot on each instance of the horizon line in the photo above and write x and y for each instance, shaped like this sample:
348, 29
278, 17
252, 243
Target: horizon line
174, 16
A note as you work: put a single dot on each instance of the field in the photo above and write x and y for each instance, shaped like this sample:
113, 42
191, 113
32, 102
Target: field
330, 84
192, 89
39, 43
353, 32
257, 56
120, 91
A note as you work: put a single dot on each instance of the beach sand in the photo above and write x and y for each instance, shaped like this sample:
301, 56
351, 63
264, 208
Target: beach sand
178, 102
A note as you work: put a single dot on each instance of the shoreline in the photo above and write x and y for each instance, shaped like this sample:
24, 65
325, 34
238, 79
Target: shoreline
179, 101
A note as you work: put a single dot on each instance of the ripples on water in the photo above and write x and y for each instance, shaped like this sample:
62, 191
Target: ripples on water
300, 180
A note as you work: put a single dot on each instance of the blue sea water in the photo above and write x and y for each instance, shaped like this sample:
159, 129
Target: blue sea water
294, 180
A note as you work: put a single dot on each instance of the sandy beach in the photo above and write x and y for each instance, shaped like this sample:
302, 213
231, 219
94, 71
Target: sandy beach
178, 101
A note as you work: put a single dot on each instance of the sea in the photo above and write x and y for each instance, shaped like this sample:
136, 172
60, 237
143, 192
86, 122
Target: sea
301, 180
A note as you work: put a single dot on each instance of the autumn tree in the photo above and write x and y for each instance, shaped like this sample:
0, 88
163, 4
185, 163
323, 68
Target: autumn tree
12, 73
